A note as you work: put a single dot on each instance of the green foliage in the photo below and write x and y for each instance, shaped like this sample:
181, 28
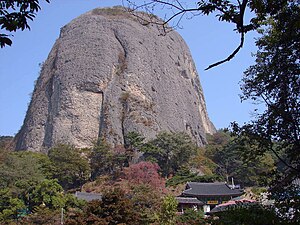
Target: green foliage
184, 175
70, 167
191, 217
118, 208
43, 162
202, 163
115, 208
133, 143
14, 15
216, 142
48, 193
168, 216
72, 202
226, 150
9, 205
21, 170
274, 82
134, 140
106, 161
258, 190
248, 215
170, 151
147, 202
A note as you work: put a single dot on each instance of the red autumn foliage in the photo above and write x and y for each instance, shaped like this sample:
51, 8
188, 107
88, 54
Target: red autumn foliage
145, 173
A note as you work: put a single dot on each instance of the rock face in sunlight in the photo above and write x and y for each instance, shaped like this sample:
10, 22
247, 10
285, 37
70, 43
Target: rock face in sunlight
108, 74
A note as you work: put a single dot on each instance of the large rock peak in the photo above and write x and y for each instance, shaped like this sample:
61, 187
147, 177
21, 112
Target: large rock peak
109, 74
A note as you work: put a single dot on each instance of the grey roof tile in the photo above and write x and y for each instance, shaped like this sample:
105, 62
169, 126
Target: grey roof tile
210, 189
88, 196
185, 200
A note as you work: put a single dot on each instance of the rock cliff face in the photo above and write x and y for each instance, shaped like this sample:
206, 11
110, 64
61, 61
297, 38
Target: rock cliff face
108, 74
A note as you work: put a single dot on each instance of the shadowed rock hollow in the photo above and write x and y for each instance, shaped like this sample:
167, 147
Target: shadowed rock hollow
108, 74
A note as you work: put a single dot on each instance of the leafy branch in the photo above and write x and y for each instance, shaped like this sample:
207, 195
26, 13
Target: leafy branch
14, 15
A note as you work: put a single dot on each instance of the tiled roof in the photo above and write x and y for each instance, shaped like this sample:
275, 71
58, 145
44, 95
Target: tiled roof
224, 207
88, 196
185, 200
210, 189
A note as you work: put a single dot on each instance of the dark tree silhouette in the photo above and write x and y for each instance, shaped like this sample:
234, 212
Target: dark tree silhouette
14, 15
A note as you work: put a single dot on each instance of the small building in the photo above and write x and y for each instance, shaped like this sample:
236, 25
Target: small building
188, 203
211, 194
88, 196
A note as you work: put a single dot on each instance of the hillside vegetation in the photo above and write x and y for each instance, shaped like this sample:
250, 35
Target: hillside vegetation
141, 175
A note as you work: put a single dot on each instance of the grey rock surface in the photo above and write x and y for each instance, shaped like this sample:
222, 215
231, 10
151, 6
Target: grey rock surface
108, 74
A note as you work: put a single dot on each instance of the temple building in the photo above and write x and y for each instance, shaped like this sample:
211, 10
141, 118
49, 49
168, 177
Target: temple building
209, 194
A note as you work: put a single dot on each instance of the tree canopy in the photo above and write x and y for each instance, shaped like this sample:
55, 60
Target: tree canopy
274, 81
170, 151
15, 15
70, 166
144, 173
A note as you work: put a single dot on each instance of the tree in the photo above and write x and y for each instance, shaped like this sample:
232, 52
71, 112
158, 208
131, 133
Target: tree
225, 10
144, 173
217, 141
170, 151
225, 149
202, 163
14, 15
147, 202
47, 193
114, 208
274, 81
248, 215
191, 217
133, 144
41, 215
168, 216
71, 168
118, 208
21, 170
9, 205
287, 203
133, 140
185, 175
106, 161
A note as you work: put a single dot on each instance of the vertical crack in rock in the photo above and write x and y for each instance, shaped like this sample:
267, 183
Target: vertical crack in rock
122, 57
98, 59
101, 118
122, 66
124, 102
47, 142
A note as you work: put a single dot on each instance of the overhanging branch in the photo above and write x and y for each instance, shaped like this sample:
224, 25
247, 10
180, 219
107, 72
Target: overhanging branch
236, 17
232, 55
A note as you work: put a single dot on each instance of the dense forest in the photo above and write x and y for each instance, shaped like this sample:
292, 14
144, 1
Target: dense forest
138, 181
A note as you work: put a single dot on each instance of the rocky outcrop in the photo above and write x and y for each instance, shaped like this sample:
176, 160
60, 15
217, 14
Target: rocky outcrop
108, 74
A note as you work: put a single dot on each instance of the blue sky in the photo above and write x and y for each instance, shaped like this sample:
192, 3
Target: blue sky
208, 39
